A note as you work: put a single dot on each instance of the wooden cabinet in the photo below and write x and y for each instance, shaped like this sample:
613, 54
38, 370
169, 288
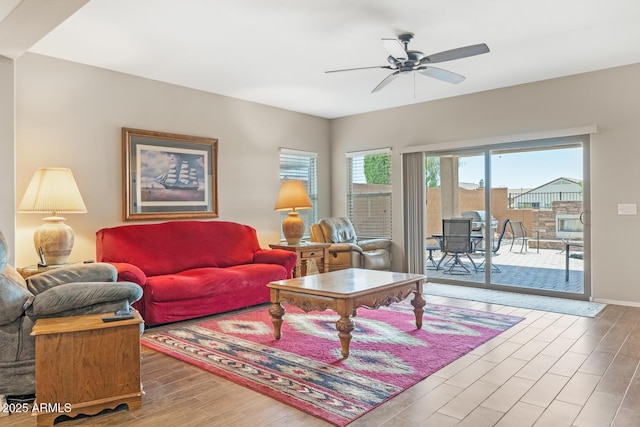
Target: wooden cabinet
307, 251
85, 365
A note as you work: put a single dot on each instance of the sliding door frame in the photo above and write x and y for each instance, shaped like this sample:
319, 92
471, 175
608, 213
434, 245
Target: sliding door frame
579, 140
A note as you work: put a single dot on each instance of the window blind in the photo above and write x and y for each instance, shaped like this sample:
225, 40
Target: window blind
369, 192
303, 166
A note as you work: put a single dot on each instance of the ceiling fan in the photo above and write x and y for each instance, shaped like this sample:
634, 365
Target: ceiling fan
403, 60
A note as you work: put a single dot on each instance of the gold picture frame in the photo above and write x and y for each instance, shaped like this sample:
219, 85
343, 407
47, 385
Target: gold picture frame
168, 176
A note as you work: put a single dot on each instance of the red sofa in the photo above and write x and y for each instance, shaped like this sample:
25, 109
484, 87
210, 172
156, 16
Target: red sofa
190, 269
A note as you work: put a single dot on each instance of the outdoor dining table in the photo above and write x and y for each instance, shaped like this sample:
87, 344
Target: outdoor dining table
567, 247
476, 238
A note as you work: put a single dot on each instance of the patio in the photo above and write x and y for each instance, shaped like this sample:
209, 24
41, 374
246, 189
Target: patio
543, 270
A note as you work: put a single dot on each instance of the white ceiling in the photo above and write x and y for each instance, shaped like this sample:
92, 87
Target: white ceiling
276, 52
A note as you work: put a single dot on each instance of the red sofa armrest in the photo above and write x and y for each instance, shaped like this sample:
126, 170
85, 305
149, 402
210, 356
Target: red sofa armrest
130, 273
277, 256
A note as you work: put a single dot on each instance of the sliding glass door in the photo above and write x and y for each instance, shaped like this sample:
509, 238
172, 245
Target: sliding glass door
539, 189
449, 197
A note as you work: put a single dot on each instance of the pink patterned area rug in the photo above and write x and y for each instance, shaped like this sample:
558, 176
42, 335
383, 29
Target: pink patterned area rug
305, 369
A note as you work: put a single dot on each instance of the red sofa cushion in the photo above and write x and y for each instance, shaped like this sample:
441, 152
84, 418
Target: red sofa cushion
177, 246
205, 282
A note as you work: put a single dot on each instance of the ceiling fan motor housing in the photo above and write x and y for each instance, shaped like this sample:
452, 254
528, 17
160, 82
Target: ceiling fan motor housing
413, 59
405, 37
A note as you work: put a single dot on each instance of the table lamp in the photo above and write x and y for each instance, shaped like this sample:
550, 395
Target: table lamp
293, 196
53, 190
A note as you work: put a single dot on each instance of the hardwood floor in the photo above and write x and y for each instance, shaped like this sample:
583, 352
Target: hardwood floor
549, 370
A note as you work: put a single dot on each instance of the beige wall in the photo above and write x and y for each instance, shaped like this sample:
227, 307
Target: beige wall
71, 115
7, 148
609, 99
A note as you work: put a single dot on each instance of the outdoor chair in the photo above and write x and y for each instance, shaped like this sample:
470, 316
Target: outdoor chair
519, 232
456, 241
494, 249
433, 244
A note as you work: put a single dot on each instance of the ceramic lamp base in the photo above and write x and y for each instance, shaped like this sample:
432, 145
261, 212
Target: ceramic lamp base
56, 240
293, 228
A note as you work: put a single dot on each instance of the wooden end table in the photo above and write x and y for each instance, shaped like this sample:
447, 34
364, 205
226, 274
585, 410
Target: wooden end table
26, 272
343, 291
85, 365
307, 251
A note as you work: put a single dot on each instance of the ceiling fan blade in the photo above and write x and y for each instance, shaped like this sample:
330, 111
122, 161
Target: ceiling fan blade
391, 77
395, 49
360, 68
440, 74
461, 52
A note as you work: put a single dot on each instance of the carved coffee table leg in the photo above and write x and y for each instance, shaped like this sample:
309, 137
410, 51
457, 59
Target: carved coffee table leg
418, 303
344, 326
276, 311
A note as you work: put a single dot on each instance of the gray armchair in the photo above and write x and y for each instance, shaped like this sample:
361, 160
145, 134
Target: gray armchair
346, 251
67, 291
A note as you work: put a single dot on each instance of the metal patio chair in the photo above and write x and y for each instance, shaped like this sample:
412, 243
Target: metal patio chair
433, 244
494, 249
519, 232
456, 242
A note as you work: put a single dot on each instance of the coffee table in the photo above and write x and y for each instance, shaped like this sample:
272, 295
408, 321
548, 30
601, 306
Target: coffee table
344, 291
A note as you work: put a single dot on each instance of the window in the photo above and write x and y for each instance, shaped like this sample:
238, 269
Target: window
369, 192
303, 166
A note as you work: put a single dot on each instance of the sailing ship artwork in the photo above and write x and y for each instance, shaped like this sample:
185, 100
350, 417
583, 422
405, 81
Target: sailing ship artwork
169, 175
179, 177
173, 177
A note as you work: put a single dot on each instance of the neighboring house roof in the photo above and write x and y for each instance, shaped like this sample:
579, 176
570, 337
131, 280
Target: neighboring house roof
548, 187
518, 191
552, 186
468, 185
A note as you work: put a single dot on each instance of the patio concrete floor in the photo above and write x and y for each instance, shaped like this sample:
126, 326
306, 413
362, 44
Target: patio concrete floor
543, 270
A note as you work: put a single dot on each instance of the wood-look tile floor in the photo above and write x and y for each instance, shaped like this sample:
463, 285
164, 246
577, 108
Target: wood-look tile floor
549, 370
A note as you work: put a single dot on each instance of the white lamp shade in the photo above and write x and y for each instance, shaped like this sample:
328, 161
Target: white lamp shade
52, 190
294, 196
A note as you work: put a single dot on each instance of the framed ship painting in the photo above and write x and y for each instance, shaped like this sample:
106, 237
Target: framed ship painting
169, 176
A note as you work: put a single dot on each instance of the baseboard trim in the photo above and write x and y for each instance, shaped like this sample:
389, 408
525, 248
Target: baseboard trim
617, 302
